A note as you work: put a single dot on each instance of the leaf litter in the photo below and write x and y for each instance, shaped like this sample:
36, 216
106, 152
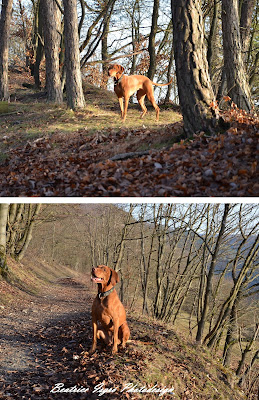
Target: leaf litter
82, 165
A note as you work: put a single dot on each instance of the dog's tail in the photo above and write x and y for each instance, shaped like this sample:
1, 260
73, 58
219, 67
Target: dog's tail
163, 84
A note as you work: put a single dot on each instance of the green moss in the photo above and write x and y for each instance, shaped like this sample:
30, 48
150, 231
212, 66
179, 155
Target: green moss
4, 107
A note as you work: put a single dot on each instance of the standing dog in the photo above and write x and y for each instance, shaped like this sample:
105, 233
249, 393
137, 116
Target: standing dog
108, 310
125, 86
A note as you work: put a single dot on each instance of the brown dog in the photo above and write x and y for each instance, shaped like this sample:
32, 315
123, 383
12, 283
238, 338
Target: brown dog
108, 310
125, 86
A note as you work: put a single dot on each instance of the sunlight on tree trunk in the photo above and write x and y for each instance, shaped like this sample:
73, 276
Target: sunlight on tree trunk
196, 96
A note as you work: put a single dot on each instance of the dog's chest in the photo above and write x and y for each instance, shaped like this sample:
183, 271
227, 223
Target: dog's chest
103, 311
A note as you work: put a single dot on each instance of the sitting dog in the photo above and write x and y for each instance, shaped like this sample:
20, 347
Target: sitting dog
125, 86
108, 310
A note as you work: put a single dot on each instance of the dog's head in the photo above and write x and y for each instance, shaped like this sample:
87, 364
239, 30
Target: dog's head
104, 275
115, 70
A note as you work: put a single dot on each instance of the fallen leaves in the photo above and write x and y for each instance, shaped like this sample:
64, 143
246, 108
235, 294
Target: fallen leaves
80, 165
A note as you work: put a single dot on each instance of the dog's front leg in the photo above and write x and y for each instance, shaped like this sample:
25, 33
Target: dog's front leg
121, 105
125, 108
115, 336
94, 343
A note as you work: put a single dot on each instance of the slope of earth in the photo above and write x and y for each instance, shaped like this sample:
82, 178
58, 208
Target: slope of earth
47, 150
45, 340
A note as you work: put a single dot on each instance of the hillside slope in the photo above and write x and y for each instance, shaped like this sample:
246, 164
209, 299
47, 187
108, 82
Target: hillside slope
46, 334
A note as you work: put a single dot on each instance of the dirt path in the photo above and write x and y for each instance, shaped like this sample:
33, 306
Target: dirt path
40, 341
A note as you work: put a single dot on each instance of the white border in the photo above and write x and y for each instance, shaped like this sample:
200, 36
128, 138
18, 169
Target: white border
126, 200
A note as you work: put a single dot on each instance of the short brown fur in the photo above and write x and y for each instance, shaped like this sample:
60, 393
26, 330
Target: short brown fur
108, 310
128, 85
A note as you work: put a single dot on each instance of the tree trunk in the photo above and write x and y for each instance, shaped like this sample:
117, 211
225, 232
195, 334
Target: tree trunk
33, 213
104, 51
237, 81
152, 40
74, 90
169, 87
4, 208
51, 45
194, 87
248, 369
212, 34
245, 25
231, 337
38, 44
5, 21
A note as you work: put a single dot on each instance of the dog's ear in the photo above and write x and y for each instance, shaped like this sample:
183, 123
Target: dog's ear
115, 278
121, 69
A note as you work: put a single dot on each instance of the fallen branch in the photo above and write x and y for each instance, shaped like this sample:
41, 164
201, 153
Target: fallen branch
131, 154
10, 113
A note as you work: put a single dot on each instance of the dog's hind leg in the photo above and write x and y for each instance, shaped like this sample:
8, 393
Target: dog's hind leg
141, 97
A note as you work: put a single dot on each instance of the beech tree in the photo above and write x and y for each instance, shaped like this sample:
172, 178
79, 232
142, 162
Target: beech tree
74, 89
237, 80
4, 47
194, 87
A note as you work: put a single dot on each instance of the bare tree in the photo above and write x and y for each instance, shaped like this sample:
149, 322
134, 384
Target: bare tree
208, 284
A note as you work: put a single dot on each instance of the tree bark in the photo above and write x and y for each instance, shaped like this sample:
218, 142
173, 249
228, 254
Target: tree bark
169, 87
4, 208
51, 45
194, 87
237, 80
38, 43
151, 43
5, 21
74, 90
212, 34
245, 25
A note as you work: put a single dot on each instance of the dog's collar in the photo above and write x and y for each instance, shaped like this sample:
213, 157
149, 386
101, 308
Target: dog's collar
105, 294
116, 81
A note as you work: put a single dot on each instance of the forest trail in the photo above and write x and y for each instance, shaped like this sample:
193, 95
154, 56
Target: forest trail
34, 335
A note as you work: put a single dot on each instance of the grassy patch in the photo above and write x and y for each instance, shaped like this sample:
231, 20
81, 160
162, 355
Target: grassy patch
4, 107
33, 120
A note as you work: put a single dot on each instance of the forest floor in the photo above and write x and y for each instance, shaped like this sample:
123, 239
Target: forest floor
48, 150
45, 338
